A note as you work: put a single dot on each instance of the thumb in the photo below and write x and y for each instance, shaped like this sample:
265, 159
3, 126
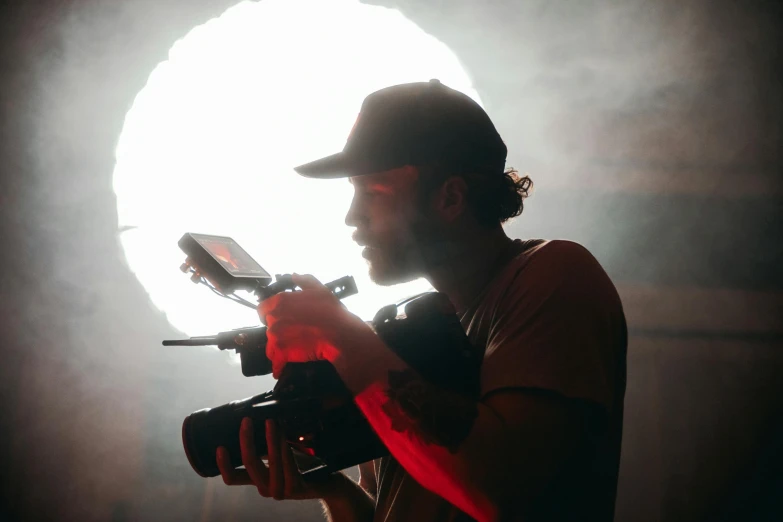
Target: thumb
306, 281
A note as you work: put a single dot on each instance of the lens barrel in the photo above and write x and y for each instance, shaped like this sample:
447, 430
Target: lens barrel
204, 431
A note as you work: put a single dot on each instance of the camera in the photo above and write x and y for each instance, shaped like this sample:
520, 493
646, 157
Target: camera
310, 403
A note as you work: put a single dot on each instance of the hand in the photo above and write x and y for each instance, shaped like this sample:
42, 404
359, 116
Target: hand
282, 479
310, 325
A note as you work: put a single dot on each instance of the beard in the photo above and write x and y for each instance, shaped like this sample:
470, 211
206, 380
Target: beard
390, 266
410, 256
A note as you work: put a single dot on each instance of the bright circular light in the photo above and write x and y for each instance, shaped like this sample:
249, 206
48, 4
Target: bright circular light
210, 142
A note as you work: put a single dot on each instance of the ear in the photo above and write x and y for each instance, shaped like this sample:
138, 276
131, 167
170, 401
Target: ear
451, 200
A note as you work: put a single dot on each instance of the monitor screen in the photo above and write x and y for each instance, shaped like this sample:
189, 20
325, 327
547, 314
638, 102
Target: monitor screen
231, 256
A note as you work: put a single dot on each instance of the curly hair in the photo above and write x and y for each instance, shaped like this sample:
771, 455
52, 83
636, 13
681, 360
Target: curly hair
494, 195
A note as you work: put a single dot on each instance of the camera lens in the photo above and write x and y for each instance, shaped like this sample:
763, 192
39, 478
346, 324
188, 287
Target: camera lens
204, 431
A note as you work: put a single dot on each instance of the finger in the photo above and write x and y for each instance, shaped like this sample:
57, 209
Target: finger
293, 479
271, 345
275, 348
307, 282
231, 476
300, 338
255, 468
276, 478
280, 330
268, 306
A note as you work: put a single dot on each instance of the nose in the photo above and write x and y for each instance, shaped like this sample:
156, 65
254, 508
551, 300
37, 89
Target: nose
354, 217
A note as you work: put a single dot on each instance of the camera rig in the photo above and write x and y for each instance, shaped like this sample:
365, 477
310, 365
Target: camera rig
314, 409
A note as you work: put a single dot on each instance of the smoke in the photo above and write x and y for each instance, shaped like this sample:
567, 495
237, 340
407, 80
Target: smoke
651, 130
575, 86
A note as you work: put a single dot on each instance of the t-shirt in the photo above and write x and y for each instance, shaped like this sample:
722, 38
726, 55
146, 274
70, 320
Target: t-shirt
550, 320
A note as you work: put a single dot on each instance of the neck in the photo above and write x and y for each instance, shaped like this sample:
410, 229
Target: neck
471, 264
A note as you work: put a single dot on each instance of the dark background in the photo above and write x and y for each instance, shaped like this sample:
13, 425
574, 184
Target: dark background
653, 131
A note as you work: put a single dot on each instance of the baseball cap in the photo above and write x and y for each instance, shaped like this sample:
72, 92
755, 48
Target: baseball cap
417, 124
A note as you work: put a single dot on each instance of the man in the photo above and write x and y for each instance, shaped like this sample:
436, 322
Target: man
542, 442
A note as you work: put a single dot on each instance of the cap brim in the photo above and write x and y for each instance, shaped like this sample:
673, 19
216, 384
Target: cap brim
334, 166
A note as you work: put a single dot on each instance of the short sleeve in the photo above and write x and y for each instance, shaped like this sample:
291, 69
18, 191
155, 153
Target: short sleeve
559, 326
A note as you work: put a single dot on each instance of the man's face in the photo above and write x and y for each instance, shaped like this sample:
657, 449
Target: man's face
390, 224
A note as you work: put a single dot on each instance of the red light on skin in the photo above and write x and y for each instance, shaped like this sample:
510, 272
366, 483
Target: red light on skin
301, 438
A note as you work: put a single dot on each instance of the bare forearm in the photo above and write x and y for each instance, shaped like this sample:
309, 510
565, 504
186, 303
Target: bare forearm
452, 460
438, 436
348, 503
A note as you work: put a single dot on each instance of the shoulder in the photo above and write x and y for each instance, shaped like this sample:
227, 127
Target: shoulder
562, 252
551, 261
557, 325
558, 271
543, 277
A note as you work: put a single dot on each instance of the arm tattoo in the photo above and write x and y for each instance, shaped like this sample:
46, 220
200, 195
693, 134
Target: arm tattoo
436, 416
